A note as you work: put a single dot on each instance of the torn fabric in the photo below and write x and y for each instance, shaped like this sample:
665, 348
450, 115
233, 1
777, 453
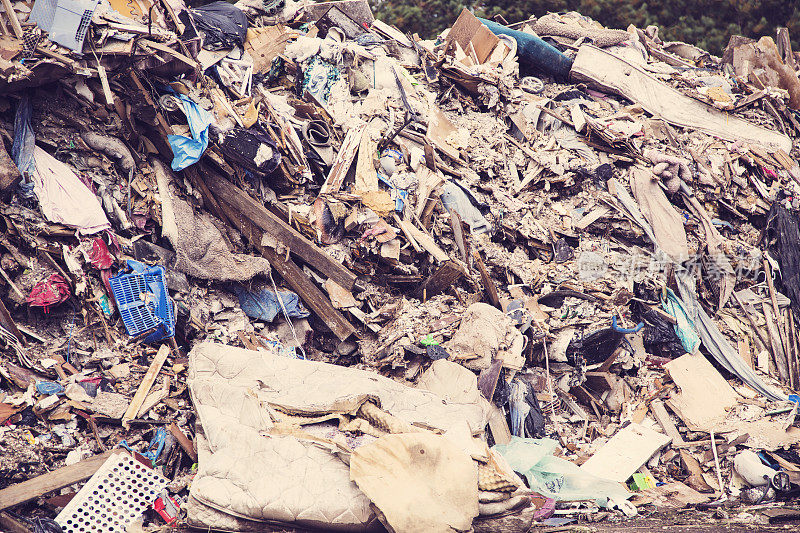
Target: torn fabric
201, 251
64, 198
266, 304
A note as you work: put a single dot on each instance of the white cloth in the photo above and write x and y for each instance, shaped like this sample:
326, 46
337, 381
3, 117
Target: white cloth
64, 198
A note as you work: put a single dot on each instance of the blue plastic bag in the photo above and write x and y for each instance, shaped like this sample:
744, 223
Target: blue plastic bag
684, 327
24, 142
188, 151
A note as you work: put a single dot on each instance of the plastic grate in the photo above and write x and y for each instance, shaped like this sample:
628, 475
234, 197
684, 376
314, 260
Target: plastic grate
116, 495
83, 27
143, 303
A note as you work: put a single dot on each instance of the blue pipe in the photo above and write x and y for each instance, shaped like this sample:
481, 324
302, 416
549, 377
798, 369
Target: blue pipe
620, 329
534, 52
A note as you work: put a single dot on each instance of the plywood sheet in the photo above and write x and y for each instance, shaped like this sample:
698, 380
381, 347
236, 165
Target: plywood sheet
625, 453
704, 396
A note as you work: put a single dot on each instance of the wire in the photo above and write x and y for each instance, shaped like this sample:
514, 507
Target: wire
69, 340
286, 315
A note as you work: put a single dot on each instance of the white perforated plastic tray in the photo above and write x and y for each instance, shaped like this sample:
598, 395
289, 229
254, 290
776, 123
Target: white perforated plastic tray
116, 495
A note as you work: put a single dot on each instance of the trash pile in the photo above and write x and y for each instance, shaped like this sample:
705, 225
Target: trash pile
279, 264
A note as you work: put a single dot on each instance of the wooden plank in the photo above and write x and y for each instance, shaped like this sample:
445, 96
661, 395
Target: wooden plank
288, 269
607, 72
458, 233
488, 283
169, 51
778, 354
366, 178
498, 425
242, 207
593, 216
426, 241
463, 28
145, 385
448, 273
483, 42
625, 453
311, 295
487, 380
184, 441
411, 240
9, 324
107, 94
12, 17
661, 415
429, 181
781, 324
57, 479
344, 159
9, 524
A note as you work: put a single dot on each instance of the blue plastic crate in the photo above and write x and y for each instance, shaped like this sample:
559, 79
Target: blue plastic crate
143, 302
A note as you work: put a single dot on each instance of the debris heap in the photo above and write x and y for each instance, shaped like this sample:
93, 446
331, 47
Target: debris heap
279, 264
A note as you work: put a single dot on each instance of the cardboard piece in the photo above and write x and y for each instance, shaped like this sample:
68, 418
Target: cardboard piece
473, 41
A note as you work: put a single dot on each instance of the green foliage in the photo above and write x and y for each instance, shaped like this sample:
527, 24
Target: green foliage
706, 23
426, 17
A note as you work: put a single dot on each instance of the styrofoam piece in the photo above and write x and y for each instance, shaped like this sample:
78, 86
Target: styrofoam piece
116, 495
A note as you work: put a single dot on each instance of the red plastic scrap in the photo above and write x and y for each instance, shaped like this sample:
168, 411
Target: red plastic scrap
99, 255
167, 508
51, 291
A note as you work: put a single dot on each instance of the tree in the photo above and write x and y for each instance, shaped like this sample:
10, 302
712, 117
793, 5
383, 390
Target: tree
428, 18
706, 23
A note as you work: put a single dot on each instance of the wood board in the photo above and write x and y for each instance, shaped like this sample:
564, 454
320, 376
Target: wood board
625, 453
57, 479
607, 72
704, 396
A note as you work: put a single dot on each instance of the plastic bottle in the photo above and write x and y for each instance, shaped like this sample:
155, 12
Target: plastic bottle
757, 474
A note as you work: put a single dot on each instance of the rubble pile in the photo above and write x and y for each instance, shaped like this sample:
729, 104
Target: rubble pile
279, 264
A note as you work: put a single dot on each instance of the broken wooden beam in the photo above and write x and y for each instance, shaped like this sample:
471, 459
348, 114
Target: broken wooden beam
488, 284
55, 480
311, 295
184, 441
9, 324
16, 27
146, 385
9, 524
661, 415
445, 275
344, 160
241, 205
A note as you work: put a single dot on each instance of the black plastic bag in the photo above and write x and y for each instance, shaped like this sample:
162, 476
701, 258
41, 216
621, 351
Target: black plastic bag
527, 419
783, 239
251, 149
223, 25
595, 347
659, 336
